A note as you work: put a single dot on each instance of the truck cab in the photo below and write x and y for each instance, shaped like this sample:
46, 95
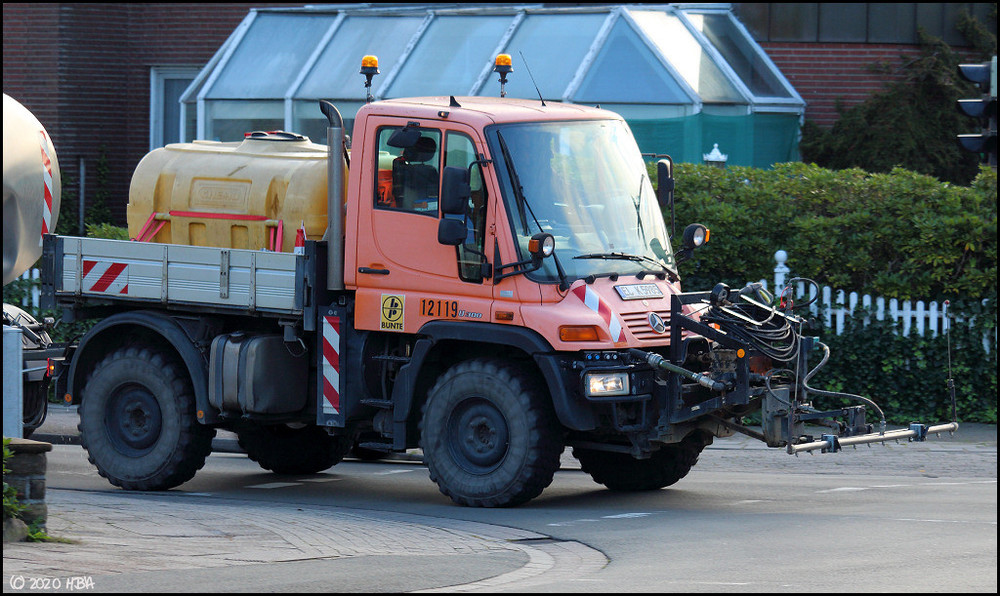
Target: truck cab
568, 171
538, 242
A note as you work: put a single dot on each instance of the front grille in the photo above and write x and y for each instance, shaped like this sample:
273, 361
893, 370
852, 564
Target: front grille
638, 325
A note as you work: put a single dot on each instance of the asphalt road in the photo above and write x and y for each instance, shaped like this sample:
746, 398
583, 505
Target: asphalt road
908, 517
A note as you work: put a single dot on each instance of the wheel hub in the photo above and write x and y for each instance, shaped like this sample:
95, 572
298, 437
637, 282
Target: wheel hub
478, 436
134, 420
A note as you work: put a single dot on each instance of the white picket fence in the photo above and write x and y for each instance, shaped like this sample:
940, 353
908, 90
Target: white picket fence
834, 307
31, 300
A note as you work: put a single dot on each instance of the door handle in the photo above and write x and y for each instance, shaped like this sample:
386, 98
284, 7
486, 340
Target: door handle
371, 271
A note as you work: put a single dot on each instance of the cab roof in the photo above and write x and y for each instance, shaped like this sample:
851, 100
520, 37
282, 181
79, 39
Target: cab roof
482, 111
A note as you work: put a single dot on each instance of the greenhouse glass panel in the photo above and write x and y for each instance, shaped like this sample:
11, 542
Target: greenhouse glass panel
270, 56
627, 71
450, 56
680, 47
553, 46
335, 75
230, 120
743, 58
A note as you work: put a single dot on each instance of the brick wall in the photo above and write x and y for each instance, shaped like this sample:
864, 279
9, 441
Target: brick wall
31, 60
822, 73
56, 63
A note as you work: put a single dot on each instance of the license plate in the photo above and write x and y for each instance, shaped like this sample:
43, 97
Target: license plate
639, 291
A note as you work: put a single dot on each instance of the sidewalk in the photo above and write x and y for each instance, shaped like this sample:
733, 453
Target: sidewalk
149, 542
124, 541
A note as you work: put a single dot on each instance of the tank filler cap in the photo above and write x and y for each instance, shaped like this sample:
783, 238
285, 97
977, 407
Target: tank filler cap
273, 135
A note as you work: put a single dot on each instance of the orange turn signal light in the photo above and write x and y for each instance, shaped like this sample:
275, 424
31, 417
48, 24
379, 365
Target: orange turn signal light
578, 333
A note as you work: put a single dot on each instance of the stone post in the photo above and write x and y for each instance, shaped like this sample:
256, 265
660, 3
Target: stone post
27, 475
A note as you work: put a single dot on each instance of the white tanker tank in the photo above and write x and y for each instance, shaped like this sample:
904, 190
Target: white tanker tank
31, 193
31, 188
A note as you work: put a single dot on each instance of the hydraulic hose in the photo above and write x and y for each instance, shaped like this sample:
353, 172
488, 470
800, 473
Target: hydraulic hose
657, 361
820, 392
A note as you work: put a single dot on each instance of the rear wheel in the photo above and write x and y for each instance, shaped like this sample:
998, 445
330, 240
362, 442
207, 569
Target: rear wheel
291, 450
488, 435
622, 472
138, 424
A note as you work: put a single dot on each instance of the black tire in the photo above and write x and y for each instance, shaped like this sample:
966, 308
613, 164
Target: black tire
293, 451
489, 437
622, 472
35, 404
138, 423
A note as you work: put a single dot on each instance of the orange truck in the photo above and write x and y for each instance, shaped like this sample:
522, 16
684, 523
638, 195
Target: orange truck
489, 280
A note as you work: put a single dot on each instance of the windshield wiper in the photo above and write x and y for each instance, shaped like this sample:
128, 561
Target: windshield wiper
620, 256
638, 205
515, 182
523, 205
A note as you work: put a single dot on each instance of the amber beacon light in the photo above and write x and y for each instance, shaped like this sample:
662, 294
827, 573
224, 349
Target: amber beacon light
502, 65
369, 68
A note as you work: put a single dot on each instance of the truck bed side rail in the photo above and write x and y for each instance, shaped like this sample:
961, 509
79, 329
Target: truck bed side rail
123, 271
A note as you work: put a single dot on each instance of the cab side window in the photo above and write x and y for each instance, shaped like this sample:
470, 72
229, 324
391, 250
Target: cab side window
461, 152
409, 178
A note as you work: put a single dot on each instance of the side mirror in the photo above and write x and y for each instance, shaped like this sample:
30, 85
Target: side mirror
452, 232
455, 191
665, 182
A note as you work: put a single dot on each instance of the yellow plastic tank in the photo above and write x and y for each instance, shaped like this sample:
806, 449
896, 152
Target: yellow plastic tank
252, 194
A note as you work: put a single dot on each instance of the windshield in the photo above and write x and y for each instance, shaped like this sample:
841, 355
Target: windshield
585, 183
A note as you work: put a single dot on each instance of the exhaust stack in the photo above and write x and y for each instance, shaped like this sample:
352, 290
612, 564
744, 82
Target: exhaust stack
335, 204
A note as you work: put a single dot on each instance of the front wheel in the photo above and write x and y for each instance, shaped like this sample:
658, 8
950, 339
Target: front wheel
489, 437
138, 424
622, 472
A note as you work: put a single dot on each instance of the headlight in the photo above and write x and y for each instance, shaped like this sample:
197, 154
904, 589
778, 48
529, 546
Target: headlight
600, 384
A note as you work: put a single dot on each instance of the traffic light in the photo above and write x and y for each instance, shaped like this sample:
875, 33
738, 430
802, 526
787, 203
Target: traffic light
983, 109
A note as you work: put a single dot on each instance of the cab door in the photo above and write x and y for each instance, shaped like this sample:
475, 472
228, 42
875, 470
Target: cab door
405, 277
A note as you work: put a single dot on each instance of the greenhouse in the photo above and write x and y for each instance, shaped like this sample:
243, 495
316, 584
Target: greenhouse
685, 77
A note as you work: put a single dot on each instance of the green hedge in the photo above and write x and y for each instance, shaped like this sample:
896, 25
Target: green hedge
899, 235
907, 376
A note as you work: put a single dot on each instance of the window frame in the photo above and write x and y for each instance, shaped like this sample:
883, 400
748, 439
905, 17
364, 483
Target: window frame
158, 75
470, 273
440, 155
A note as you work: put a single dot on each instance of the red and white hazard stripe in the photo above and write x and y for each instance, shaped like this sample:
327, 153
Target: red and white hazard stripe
597, 304
105, 277
47, 182
331, 365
